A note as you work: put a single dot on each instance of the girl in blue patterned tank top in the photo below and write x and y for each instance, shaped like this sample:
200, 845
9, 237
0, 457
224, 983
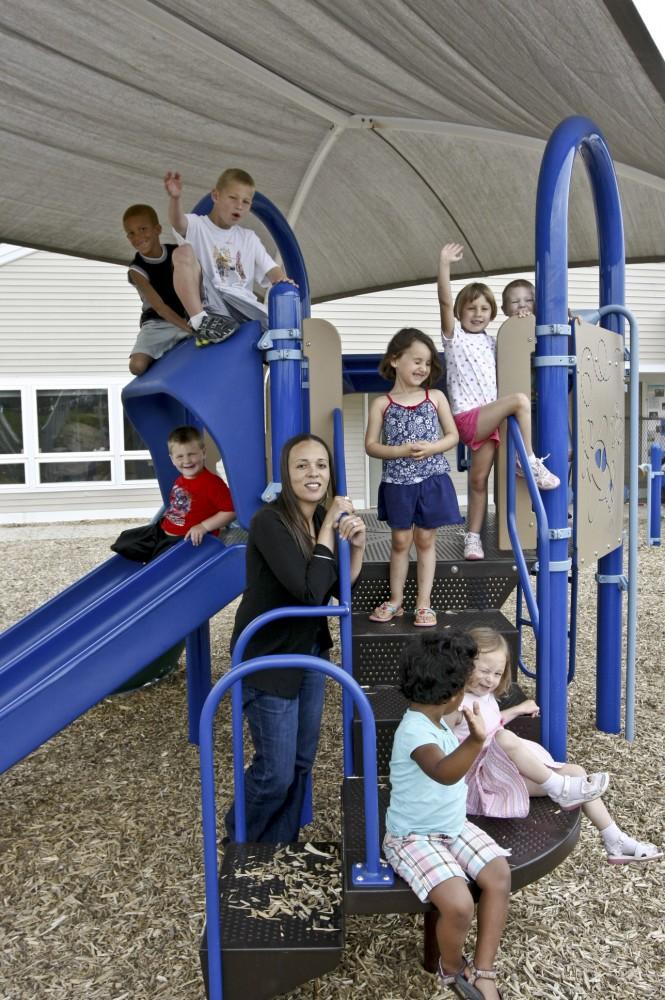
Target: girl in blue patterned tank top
410, 428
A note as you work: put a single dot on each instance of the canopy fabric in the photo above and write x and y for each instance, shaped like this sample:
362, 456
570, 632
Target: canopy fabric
381, 129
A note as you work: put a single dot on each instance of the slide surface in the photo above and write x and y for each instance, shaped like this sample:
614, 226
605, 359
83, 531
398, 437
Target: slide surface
93, 637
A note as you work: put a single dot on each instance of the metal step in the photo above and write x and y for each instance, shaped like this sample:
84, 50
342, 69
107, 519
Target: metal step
282, 917
458, 584
539, 842
377, 646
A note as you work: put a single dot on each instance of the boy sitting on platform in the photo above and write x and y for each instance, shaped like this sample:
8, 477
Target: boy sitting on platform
219, 261
163, 319
199, 503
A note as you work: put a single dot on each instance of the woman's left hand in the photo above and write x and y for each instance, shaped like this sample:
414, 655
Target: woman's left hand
352, 528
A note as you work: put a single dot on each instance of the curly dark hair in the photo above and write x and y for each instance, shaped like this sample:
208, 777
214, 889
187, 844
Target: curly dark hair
435, 666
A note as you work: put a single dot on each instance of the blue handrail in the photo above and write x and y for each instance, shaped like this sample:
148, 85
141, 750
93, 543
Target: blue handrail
540, 623
346, 621
374, 871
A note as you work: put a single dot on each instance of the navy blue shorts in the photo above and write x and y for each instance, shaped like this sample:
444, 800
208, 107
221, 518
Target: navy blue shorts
429, 504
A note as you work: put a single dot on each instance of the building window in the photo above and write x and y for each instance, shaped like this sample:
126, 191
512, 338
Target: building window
12, 474
137, 461
73, 420
11, 422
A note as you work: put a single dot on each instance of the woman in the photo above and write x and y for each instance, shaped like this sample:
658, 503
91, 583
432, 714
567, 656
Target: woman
290, 560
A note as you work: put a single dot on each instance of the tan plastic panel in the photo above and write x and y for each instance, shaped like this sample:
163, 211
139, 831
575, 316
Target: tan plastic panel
600, 440
323, 347
516, 342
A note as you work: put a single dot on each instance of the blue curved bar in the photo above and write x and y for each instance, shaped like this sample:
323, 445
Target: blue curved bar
374, 871
540, 622
575, 134
284, 237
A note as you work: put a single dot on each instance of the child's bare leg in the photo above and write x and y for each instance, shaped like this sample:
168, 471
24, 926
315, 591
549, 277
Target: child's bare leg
481, 466
494, 881
399, 563
425, 542
515, 405
525, 762
187, 279
139, 363
455, 905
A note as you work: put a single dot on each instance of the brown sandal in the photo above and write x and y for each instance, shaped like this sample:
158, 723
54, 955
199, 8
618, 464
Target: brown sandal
477, 974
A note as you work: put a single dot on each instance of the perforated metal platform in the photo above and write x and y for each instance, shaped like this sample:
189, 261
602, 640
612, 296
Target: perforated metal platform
539, 843
458, 584
281, 916
377, 646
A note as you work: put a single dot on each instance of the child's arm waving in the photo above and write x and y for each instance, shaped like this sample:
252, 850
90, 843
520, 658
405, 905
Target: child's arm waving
450, 254
173, 185
447, 769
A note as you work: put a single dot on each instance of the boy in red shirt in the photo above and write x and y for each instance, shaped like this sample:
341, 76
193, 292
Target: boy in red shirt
199, 503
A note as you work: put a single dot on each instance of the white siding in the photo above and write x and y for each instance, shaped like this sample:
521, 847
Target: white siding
354, 447
65, 316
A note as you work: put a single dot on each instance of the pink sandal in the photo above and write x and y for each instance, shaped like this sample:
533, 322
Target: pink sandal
386, 612
425, 618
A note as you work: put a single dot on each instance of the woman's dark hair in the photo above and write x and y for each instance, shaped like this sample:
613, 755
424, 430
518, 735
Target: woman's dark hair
400, 343
287, 503
434, 667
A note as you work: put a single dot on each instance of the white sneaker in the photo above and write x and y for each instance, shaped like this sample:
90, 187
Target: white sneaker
577, 791
473, 548
545, 480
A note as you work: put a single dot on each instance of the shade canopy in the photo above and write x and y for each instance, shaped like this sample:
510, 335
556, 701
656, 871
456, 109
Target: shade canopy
381, 128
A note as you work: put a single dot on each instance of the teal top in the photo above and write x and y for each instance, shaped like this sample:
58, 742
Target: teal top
419, 804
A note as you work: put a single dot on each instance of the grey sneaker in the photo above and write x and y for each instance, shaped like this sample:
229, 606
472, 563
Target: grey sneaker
215, 329
577, 791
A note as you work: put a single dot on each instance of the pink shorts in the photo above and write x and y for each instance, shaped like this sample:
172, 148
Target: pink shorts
467, 423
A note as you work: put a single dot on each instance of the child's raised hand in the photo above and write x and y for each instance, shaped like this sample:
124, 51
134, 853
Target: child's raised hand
452, 253
474, 721
173, 183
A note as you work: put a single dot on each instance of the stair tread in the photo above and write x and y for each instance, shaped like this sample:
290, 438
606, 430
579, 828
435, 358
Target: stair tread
403, 625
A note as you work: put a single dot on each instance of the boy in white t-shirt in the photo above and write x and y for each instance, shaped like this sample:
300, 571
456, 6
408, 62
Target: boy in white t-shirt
218, 262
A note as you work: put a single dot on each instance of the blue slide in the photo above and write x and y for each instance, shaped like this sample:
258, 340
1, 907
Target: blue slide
80, 646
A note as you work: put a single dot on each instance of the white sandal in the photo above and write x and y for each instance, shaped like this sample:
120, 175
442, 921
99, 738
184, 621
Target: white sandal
644, 851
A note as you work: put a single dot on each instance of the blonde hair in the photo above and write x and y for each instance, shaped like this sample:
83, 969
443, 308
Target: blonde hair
237, 175
185, 434
517, 283
469, 294
146, 210
488, 640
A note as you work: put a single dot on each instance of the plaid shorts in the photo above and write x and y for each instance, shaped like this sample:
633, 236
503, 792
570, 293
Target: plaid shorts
426, 860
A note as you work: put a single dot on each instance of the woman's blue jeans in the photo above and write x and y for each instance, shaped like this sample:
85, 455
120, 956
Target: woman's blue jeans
285, 732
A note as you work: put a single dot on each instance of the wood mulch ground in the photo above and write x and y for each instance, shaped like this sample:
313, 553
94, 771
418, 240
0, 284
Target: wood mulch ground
101, 885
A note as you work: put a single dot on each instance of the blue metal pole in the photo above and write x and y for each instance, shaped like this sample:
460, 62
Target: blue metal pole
655, 490
284, 356
373, 872
573, 135
345, 623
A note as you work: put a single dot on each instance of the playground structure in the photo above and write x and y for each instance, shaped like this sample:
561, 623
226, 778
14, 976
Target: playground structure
51, 661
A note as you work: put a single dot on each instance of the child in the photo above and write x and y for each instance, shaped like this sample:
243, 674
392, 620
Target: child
429, 841
518, 298
416, 494
163, 318
199, 503
511, 768
471, 379
220, 260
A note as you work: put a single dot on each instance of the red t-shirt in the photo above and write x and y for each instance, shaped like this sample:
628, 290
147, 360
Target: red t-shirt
193, 500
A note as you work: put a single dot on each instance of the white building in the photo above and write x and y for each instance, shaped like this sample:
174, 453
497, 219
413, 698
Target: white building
66, 329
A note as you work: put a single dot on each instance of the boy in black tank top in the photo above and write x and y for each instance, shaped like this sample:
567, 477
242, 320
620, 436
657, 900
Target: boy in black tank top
163, 317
